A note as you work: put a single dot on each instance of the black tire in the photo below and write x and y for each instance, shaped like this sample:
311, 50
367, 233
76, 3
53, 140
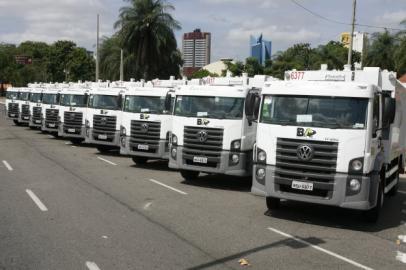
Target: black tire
16, 123
273, 203
140, 160
76, 140
189, 175
372, 215
31, 127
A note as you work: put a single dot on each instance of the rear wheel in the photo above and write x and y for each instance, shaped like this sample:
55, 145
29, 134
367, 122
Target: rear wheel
273, 203
76, 140
189, 175
140, 160
372, 215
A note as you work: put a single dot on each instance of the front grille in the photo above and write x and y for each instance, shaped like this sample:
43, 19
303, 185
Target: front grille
146, 135
320, 170
72, 122
210, 148
104, 127
13, 110
51, 118
25, 111
36, 114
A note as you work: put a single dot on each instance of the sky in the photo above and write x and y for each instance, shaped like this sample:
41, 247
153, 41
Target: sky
231, 22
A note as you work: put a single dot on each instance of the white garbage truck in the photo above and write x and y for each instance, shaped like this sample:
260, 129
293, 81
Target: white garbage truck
147, 120
50, 107
103, 117
212, 126
12, 104
331, 137
72, 111
24, 105
36, 105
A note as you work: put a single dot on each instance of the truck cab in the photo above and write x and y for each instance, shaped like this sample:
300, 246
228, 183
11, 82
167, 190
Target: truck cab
50, 107
212, 131
24, 105
36, 105
103, 117
12, 104
72, 112
331, 137
147, 120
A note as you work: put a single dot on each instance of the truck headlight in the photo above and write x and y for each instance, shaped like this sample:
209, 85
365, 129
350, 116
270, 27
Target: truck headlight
174, 152
122, 140
235, 158
87, 124
123, 131
236, 145
356, 166
260, 173
355, 185
261, 156
174, 139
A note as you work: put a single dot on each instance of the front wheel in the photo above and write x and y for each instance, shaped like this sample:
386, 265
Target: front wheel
140, 160
16, 123
189, 175
273, 203
372, 214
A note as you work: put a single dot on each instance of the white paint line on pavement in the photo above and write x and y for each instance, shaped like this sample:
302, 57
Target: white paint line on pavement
92, 266
147, 205
321, 249
36, 200
401, 191
401, 257
169, 187
51, 137
108, 161
7, 165
68, 143
73, 146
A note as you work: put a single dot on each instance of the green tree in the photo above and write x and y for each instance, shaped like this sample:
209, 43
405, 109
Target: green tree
253, 67
236, 68
146, 30
80, 65
60, 53
381, 51
202, 73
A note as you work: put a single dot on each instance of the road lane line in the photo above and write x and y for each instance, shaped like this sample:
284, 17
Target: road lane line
36, 200
68, 143
7, 165
92, 266
169, 187
401, 191
321, 249
108, 161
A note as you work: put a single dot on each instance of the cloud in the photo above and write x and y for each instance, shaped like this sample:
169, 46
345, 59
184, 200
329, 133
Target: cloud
257, 3
391, 18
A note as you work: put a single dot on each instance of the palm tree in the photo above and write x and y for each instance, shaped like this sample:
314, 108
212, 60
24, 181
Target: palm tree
381, 51
146, 30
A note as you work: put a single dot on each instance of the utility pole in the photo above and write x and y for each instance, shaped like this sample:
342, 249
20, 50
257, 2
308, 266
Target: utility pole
97, 50
354, 5
121, 65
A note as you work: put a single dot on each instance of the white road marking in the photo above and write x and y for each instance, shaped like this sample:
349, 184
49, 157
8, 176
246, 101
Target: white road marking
401, 191
92, 266
147, 205
7, 165
105, 237
73, 146
401, 257
36, 200
321, 249
51, 137
108, 161
169, 187
68, 143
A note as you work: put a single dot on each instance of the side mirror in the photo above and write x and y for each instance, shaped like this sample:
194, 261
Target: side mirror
389, 111
252, 106
86, 98
120, 101
168, 102
58, 98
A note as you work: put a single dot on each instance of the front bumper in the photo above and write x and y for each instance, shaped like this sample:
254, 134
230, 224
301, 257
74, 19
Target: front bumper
160, 153
24, 119
339, 195
49, 126
78, 133
35, 123
113, 140
12, 116
242, 168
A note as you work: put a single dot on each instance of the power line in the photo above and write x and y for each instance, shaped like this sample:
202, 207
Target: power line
339, 22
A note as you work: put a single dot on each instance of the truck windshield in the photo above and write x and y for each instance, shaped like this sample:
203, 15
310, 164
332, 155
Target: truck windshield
11, 94
104, 102
316, 111
209, 107
73, 100
145, 104
24, 96
50, 99
35, 97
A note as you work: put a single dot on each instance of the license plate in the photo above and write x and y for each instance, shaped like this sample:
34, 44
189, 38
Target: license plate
200, 159
26, 118
142, 147
71, 130
38, 121
51, 125
102, 137
302, 185
12, 115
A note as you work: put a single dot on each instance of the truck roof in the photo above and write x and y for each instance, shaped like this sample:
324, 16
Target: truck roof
148, 91
212, 90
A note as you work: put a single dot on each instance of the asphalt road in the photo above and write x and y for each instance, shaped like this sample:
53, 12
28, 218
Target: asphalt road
65, 206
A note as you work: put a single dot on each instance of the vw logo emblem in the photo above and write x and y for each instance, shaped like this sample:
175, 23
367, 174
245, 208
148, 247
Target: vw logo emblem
202, 136
144, 128
305, 152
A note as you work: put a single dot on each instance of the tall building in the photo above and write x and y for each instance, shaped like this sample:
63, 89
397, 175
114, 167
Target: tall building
260, 49
196, 50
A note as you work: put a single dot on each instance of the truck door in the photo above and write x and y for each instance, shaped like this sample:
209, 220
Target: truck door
376, 142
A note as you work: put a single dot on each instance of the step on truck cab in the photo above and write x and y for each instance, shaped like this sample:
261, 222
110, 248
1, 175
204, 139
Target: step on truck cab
331, 137
12, 104
103, 117
36, 105
50, 107
147, 120
72, 111
24, 105
211, 130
